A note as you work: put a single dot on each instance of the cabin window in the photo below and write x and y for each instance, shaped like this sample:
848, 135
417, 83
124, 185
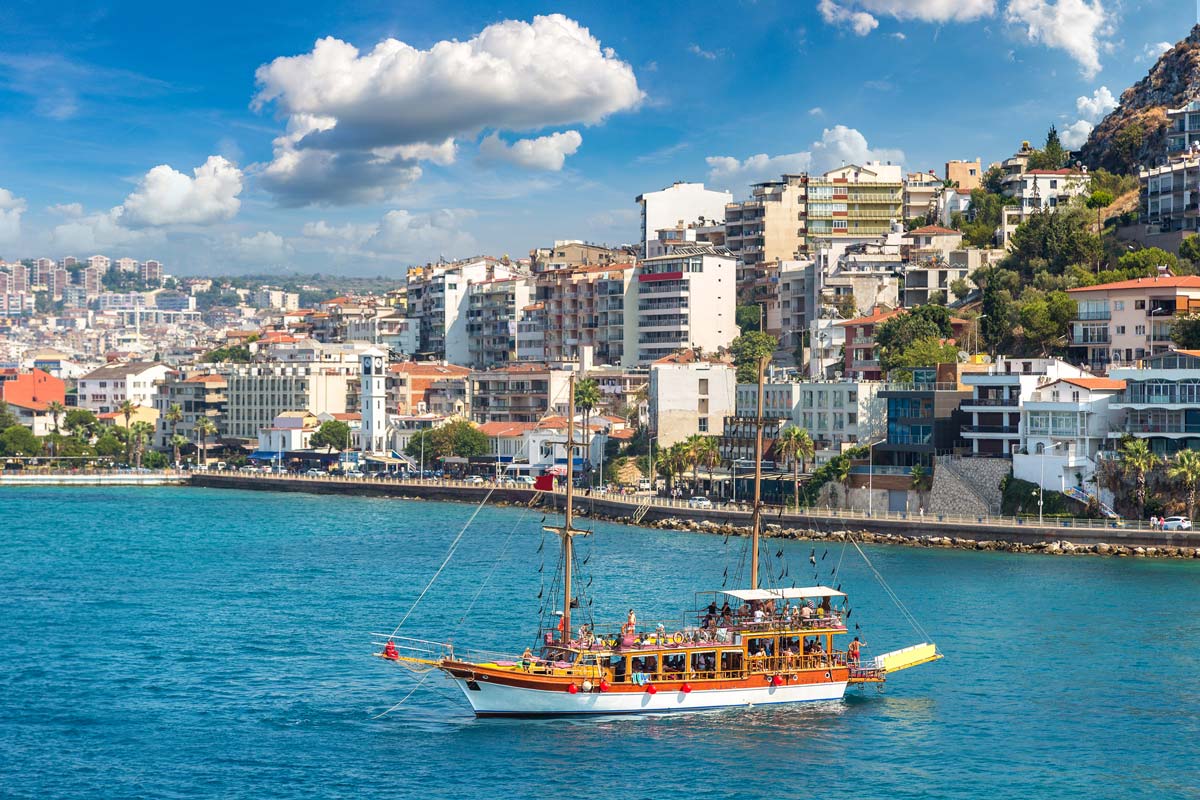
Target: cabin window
675, 664
647, 665
731, 661
704, 664
762, 646
619, 669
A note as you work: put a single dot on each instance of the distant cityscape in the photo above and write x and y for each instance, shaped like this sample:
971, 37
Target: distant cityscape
870, 289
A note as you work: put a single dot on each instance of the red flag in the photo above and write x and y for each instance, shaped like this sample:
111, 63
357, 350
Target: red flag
544, 483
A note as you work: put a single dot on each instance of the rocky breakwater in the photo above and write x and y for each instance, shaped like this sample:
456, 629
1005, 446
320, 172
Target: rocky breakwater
1051, 548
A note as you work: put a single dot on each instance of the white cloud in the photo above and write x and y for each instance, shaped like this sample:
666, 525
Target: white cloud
816, 111
1074, 26
838, 145
860, 22
424, 236
66, 209
100, 231
360, 123
545, 152
11, 209
167, 197
349, 232
898, 36
931, 10
264, 248
708, 55
1074, 135
1153, 50
1096, 107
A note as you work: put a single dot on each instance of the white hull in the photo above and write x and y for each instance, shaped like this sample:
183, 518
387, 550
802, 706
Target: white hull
496, 700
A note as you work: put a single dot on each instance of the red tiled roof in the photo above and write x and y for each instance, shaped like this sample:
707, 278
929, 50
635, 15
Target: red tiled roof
506, 428
933, 230
429, 369
205, 378
624, 433
1173, 282
1095, 383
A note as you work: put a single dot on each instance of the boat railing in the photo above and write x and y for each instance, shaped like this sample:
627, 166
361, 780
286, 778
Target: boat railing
410, 649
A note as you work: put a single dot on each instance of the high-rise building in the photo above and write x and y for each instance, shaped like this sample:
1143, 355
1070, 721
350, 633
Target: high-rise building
768, 227
68, 261
59, 280
854, 202
127, 265
151, 273
91, 279
103, 263
686, 299
438, 296
492, 311
680, 203
20, 278
588, 307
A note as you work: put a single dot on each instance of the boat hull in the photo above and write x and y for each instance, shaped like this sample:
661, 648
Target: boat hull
491, 699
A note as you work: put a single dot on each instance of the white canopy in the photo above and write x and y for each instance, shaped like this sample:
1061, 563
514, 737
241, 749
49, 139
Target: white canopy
783, 594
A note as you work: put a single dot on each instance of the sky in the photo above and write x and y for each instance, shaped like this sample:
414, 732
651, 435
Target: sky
361, 137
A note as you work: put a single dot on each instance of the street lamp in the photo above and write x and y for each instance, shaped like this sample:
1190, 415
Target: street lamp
1042, 479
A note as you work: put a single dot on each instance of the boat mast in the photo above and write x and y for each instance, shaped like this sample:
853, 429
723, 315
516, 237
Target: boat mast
566, 533
755, 522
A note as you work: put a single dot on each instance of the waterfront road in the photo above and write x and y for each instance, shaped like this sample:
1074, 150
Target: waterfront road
646, 509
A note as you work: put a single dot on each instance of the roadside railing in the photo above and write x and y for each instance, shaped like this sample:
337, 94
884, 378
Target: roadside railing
771, 514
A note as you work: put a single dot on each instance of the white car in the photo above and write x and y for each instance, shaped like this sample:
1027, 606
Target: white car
643, 485
475, 480
1176, 524
699, 502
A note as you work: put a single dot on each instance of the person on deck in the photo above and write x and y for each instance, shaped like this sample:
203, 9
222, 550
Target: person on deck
527, 659
853, 651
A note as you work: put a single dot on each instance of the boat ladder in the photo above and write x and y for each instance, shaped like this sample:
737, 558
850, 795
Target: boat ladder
533, 501
640, 513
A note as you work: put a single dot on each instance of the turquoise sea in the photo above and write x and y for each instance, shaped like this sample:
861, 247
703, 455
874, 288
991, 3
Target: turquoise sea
175, 642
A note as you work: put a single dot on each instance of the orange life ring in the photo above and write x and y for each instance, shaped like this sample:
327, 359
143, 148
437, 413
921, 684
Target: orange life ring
677, 637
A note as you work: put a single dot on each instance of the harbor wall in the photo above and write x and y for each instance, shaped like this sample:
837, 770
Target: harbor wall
1022, 531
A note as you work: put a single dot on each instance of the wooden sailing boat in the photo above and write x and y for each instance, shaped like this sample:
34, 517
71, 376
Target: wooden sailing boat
759, 646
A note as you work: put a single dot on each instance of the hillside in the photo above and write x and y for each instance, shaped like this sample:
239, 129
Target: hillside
1135, 132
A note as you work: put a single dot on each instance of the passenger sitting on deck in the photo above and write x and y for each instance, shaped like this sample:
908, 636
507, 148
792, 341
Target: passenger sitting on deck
390, 652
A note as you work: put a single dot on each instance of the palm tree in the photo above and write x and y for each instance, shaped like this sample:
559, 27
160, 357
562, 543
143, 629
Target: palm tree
140, 433
587, 398
204, 429
1186, 470
795, 445
918, 482
56, 410
174, 416
177, 441
674, 462
692, 447
1137, 460
841, 474
708, 455
127, 410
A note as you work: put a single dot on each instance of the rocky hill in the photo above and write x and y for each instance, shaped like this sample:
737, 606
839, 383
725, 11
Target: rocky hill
1135, 132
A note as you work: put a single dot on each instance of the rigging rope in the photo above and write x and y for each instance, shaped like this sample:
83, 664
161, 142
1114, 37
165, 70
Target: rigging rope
449, 555
495, 565
912, 620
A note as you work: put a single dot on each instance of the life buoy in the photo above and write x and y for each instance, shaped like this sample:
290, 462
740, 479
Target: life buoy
677, 637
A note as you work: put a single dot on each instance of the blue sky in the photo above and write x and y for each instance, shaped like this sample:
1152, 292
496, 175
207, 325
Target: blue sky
223, 138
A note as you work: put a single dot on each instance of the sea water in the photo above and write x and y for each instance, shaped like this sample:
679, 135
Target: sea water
176, 642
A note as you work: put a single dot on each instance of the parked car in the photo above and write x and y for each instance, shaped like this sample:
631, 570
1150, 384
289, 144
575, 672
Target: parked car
644, 485
316, 473
523, 480
1176, 524
475, 480
699, 502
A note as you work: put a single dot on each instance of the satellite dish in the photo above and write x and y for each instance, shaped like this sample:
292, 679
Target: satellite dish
837, 374
963, 356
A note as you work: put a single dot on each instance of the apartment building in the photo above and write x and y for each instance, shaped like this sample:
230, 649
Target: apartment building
386, 327
199, 396
964, 175
588, 307
997, 394
1124, 322
769, 227
104, 389
679, 203
17, 279
518, 393
1170, 196
567, 253
840, 414
492, 314
102, 263
428, 387
127, 265
531, 332
439, 297
923, 419
1160, 403
1183, 128
1065, 423
28, 395
688, 395
267, 297
862, 356
667, 239
1040, 190
854, 202
685, 300
921, 193
151, 272
259, 392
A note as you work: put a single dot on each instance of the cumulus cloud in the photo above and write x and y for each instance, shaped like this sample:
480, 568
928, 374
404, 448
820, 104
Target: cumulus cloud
425, 235
1092, 108
1153, 50
708, 55
1074, 26
265, 248
66, 209
348, 232
11, 209
359, 124
860, 22
838, 145
931, 10
102, 230
545, 152
166, 196
816, 111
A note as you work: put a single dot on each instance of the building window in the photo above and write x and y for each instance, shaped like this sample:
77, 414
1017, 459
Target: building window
703, 424
1139, 330
703, 386
1120, 330
1139, 305
1118, 305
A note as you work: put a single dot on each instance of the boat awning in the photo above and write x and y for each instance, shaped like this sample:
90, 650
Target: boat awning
783, 594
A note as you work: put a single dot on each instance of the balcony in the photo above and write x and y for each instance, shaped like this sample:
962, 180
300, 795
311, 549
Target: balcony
1008, 430
1136, 428
1093, 315
991, 402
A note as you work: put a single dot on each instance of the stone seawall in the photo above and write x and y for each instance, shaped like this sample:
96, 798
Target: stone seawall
898, 529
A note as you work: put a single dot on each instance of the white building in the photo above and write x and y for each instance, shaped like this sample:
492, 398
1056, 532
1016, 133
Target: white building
373, 437
689, 395
840, 414
996, 398
387, 329
1040, 190
679, 203
439, 299
102, 263
103, 390
289, 431
266, 297
1064, 425
128, 265
257, 393
687, 299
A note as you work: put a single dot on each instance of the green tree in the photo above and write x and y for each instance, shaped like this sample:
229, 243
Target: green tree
1127, 145
80, 422
140, 433
1099, 200
919, 482
795, 445
937, 298
1055, 238
847, 305
703, 451
927, 352
1186, 470
127, 409
993, 179
1045, 319
895, 336
748, 351
57, 410
987, 211
1189, 248
155, 460
1185, 332
7, 418
840, 472
178, 441
1052, 155
1145, 262
109, 446
749, 318
1137, 461
174, 416
17, 440
960, 288
204, 428
587, 399
458, 438
333, 435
